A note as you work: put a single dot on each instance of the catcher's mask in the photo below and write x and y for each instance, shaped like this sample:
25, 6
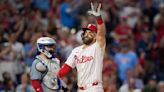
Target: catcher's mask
46, 42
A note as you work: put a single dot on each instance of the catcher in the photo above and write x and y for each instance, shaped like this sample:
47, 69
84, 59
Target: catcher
44, 68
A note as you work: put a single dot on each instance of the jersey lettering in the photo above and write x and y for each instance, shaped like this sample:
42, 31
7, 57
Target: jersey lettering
83, 59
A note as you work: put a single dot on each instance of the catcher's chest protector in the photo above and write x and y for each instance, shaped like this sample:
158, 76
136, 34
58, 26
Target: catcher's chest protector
49, 78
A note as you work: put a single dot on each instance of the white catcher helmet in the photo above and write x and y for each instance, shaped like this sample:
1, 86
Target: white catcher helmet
45, 41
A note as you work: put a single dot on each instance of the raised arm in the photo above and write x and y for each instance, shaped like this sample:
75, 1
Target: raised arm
101, 32
100, 25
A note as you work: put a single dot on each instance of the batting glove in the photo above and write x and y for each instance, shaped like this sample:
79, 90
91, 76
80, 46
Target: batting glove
93, 11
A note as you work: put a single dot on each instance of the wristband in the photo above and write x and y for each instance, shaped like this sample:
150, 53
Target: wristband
99, 20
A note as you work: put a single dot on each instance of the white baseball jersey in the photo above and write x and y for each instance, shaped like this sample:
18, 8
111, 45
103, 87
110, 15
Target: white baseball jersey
88, 62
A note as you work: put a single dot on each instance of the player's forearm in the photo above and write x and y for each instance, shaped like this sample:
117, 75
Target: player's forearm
64, 70
36, 85
101, 30
101, 26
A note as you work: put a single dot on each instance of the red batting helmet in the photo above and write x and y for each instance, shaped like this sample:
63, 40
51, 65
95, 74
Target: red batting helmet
91, 27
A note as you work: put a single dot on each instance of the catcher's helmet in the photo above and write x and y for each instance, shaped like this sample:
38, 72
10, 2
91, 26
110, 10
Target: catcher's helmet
45, 41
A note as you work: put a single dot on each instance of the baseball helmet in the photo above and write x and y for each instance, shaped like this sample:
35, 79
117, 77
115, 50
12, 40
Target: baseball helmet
91, 27
45, 41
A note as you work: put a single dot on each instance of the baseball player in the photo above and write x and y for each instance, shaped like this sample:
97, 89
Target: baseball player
44, 68
88, 58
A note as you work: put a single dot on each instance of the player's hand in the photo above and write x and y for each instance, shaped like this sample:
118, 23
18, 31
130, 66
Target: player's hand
93, 11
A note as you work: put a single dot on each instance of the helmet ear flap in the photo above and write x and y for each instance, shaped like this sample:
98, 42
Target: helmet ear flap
40, 47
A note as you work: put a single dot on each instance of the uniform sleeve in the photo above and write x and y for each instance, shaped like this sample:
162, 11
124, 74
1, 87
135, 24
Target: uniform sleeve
71, 60
35, 74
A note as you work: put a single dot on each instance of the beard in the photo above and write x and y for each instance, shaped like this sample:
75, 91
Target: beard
51, 52
87, 40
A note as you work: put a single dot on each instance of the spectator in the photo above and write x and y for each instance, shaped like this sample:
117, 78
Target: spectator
8, 83
129, 87
149, 10
2, 39
132, 11
109, 74
161, 59
112, 19
138, 84
142, 24
17, 48
146, 44
43, 5
109, 84
68, 13
16, 55
125, 59
25, 85
161, 86
30, 49
4, 50
122, 30
152, 84
159, 23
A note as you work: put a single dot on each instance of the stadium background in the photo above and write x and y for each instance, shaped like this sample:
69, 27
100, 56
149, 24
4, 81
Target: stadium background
134, 24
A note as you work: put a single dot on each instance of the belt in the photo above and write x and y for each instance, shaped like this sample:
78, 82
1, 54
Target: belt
84, 88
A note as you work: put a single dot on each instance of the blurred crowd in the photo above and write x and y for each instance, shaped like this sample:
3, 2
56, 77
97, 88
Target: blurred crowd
134, 58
